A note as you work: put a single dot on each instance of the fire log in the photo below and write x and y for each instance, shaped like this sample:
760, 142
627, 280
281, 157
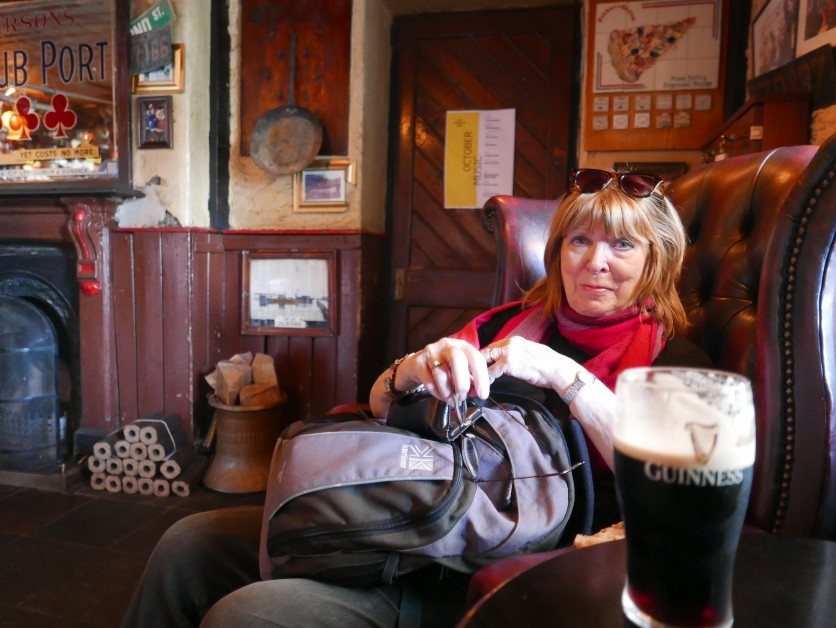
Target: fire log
97, 481
96, 464
130, 467
114, 466
113, 483
147, 468
139, 451
130, 485
162, 488
174, 465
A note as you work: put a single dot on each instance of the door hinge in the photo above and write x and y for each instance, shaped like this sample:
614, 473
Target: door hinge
400, 277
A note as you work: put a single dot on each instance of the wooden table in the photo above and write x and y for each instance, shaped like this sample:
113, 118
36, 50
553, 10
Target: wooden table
778, 581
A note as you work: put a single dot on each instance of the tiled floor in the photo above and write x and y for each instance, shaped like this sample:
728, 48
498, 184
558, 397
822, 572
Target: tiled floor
73, 559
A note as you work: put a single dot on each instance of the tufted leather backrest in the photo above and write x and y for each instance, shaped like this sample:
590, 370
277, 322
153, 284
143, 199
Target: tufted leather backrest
759, 285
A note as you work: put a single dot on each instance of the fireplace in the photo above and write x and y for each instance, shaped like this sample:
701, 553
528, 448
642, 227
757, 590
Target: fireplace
40, 392
55, 337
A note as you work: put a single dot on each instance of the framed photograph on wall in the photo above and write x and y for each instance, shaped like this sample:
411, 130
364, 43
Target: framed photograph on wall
167, 80
321, 187
153, 122
290, 293
773, 35
816, 25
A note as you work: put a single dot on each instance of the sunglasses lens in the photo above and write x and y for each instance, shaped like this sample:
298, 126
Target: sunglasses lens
591, 180
639, 185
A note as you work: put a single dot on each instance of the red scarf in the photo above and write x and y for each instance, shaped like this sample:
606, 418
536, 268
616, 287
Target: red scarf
617, 342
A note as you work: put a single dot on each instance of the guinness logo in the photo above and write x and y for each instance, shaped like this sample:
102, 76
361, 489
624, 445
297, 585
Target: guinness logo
704, 439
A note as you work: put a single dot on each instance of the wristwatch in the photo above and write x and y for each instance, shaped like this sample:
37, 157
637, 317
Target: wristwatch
582, 378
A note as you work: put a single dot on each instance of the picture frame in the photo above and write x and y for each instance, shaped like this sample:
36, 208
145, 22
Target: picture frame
153, 122
169, 79
289, 293
322, 186
773, 35
813, 28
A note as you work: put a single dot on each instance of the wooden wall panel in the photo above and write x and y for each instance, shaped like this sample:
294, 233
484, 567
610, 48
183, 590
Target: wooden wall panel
207, 265
125, 323
178, 313
149, 321
176, 309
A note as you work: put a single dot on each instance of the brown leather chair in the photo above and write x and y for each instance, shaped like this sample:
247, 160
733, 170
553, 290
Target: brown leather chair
759, 286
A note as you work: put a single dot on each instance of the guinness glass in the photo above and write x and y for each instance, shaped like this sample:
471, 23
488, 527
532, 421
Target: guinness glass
684, 450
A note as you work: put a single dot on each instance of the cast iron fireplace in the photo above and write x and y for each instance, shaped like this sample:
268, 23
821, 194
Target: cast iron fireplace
39, 356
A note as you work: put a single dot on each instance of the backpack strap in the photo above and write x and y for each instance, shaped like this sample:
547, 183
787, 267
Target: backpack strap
580, 521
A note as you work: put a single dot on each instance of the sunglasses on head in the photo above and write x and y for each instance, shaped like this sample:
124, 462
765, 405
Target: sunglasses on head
635, 184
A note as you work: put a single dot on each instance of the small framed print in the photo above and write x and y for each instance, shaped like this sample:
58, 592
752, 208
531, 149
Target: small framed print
289, 293
167, 80
321, 187
621, 122
153, 122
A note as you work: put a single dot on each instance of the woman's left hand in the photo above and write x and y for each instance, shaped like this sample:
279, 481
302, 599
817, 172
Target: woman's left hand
530, 361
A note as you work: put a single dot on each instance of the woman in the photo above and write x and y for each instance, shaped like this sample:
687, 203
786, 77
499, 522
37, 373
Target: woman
608, 302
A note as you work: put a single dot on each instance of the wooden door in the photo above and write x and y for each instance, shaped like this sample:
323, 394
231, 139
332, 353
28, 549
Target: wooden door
443, 260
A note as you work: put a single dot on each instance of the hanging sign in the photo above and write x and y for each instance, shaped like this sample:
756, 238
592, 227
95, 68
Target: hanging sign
478, 156
158, 15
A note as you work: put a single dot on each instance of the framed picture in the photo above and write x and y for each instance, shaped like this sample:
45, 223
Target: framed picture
773, 35
168, 79
65, 103
816, 25
290, 293
153, 122
321, 187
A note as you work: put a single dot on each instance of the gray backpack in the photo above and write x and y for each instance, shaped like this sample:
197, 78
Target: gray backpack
357, 502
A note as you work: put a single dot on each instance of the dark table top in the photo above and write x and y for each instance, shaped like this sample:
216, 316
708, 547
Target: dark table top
778, 581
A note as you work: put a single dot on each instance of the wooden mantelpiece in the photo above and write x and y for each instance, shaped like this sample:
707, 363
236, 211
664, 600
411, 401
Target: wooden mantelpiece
84, 222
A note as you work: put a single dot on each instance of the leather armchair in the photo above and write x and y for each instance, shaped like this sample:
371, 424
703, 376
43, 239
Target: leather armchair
759, 285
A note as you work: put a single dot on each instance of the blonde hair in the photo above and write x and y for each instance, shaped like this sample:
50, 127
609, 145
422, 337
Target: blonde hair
653, 220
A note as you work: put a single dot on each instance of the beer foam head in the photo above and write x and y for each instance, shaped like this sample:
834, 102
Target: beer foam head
685, 417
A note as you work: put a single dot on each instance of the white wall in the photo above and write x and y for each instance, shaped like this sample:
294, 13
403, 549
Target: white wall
184, 169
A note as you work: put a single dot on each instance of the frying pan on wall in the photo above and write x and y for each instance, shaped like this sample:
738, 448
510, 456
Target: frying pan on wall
285, 140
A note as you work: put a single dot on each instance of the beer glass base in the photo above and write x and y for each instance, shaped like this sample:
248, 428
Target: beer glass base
643, 620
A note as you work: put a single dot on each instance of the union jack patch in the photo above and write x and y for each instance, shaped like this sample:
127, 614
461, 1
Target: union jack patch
420, 457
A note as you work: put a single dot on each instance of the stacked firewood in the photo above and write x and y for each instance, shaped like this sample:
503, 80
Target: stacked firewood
246, 380
149, 456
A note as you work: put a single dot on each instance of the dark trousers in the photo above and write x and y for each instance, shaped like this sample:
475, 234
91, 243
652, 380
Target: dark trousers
204, 572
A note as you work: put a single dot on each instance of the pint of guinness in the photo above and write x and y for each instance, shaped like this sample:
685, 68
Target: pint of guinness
684, 450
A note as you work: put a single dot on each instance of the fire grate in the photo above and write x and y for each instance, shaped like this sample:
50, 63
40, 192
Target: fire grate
30, 426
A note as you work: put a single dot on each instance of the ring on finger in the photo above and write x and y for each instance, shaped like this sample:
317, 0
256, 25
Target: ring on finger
436, 364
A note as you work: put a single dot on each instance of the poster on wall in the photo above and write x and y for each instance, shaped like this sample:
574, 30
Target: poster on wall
478, 156
816, 25
657, 45
63, 100
773, 35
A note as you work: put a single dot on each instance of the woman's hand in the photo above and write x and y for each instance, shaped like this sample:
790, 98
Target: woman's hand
450, 370
530, 361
